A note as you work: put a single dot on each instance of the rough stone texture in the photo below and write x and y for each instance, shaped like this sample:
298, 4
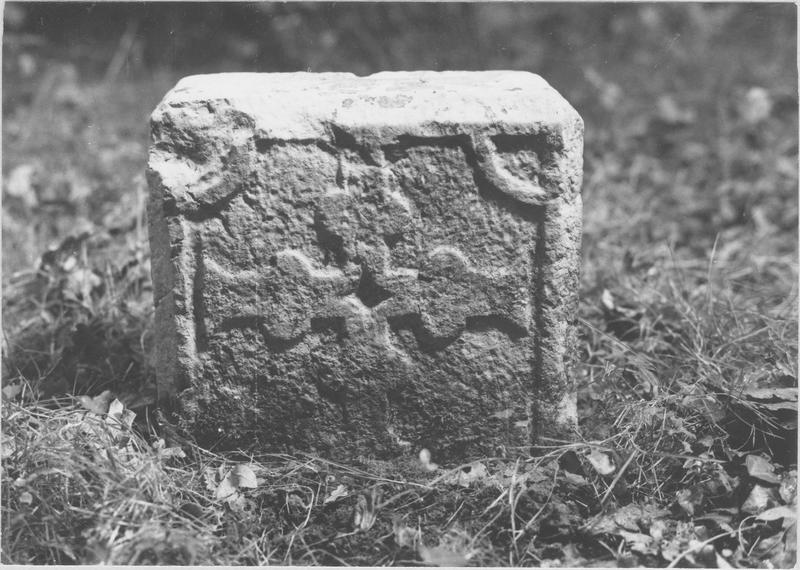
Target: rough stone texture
366, 266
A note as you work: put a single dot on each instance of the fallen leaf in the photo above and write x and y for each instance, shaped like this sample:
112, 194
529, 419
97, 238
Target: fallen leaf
21, 184
226, 489
631, 519
240, 477
244, 477
8, 446
237, 503
12, 391
759, 500
787, 394
571, 557
788, 488
690, 499
119, 418
336, 494
633, 516
440, 556
210, 478
425, 459
404, 535
774, 550
760, 468
477, 472
99, 404
601, 462
80, 283
777, 406
171, 453
722, 563
638, 542
674, 544
574, 479
706, 441
776, 513
658, 529
365, 513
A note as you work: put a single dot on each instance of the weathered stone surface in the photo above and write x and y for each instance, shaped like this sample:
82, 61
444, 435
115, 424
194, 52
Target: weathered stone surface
366, 266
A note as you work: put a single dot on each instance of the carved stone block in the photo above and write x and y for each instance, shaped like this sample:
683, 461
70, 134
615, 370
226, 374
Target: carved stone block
366, 266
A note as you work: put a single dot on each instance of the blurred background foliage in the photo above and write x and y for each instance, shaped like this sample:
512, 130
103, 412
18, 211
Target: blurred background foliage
556, 40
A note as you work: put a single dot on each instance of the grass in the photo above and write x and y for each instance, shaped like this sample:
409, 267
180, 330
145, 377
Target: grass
687, 364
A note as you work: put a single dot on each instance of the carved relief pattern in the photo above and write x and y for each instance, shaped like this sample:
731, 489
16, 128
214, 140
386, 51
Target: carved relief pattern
361, 292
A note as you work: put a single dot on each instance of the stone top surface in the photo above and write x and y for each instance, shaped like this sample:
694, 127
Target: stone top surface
427, 103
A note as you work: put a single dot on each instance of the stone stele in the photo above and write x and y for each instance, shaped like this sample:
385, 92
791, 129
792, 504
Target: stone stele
366, 266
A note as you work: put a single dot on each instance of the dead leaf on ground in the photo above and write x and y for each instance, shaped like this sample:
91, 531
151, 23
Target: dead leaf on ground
210, 478
760, 468
601, 462
475, 473
245, 477
675, 538
631, 518
405, 535
440, 556
776, 393
8, 446
80, 283
366, 511
99, 404
240, 477
425, 459
760, 499
788, 488
12, 391
722, 563
226, 489
638, 542
21, 183
165, 452
775, 513
574, 479
690, 500
119, 417
338, 493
